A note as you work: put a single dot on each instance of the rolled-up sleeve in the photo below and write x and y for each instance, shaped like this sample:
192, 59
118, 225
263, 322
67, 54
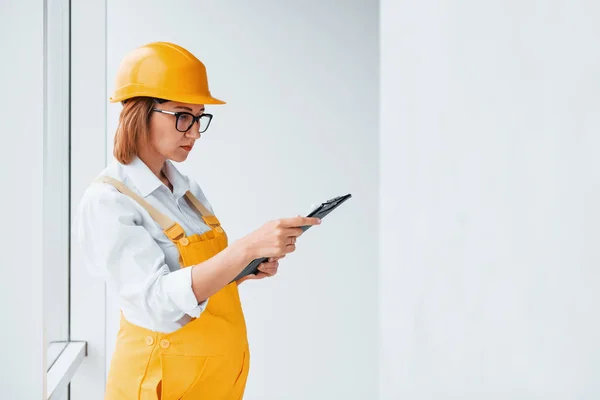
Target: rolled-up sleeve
115, 247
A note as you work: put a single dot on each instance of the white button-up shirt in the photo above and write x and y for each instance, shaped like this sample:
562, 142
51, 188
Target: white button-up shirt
120, 242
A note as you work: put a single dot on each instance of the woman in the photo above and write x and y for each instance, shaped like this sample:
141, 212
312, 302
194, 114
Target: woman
151, 233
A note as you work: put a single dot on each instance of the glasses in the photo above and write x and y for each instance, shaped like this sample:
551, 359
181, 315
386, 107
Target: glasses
184, 120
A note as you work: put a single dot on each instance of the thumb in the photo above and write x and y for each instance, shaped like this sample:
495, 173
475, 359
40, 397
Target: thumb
260, 275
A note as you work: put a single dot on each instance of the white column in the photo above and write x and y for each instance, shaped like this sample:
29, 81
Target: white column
88, 158
22, 358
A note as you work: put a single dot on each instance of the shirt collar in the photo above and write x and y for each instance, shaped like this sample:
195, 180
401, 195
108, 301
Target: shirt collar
180, 184
146, 182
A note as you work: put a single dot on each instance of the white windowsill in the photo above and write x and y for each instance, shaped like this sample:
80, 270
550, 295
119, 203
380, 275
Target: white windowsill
53, 351
63, 369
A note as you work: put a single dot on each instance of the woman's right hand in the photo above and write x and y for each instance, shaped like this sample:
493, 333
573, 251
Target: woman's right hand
277, 238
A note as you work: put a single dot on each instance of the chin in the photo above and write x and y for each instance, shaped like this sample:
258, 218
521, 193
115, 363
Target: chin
179, 157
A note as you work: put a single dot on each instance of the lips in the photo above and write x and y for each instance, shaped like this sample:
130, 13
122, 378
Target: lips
187, 148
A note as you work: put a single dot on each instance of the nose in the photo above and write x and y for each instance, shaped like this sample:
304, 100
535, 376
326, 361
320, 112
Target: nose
194, 131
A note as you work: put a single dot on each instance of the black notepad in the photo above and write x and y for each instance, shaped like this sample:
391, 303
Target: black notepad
320, 212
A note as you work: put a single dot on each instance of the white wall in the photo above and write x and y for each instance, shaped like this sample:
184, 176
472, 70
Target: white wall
489, 218
22, 359
300, 127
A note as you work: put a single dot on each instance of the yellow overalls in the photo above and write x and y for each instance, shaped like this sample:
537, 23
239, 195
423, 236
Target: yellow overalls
208, 358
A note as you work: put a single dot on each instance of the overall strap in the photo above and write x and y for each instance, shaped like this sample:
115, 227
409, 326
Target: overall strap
171, 228
206, 215
196, 203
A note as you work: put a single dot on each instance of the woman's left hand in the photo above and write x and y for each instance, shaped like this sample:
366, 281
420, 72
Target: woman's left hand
265, 270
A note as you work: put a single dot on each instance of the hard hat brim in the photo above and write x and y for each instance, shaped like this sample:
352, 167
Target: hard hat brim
189, 98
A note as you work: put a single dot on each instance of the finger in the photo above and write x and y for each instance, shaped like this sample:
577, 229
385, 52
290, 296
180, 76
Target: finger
293, 232
299, 221
268, 265
270, 271
259, 275
290, 240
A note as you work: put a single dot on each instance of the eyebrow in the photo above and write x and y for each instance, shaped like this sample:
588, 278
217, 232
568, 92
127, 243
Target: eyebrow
188, 109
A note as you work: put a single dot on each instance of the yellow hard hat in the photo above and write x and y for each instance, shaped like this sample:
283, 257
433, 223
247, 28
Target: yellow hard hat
165, 71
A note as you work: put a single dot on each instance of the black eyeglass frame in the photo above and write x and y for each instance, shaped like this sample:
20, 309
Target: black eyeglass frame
195, 119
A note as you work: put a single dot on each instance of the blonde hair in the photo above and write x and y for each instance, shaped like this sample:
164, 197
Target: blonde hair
134, 123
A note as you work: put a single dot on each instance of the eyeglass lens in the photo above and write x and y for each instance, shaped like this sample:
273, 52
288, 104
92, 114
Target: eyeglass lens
185, 121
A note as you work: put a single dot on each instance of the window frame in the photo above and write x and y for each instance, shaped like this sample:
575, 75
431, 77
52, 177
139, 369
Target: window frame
56, 177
